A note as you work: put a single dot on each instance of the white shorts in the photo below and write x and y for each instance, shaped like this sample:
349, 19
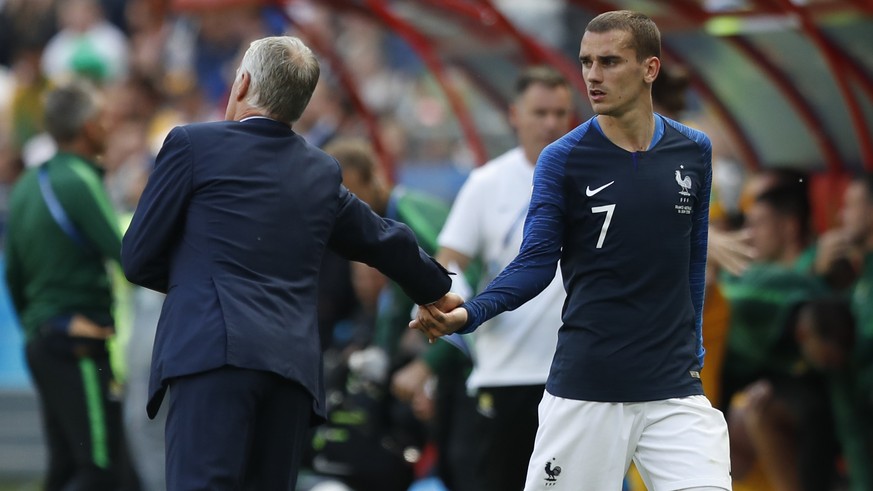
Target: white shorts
588, 446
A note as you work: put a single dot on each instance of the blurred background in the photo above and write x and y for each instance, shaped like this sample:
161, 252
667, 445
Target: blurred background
782, 87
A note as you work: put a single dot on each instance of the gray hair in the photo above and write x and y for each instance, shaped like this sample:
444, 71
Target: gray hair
68, 108
283, 74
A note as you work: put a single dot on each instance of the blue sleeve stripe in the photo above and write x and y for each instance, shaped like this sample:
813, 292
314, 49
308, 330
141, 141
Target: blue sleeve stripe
699, 232
534, 267
696, 136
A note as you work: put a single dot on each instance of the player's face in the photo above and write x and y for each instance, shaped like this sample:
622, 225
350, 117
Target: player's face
857, 213
541, 115
616, 81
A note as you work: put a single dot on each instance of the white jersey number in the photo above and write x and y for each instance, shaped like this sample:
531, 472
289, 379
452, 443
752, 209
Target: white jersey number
608, 209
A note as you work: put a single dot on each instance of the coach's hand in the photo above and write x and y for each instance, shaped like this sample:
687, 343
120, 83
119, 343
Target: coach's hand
442, 317
83, 327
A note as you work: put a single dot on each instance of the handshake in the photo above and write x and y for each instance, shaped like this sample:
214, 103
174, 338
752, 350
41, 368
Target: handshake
440, 318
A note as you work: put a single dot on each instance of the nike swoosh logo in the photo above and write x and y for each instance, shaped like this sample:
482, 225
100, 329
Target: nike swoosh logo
591, 192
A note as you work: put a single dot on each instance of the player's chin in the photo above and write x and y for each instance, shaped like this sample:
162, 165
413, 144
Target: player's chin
599, 109
602, 109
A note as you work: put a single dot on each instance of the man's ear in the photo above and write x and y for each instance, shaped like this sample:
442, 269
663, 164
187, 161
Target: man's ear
245, 81
92, 129
652, 67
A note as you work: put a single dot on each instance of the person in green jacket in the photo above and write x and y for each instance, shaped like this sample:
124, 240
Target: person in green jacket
61, 232
846, 253
764, 377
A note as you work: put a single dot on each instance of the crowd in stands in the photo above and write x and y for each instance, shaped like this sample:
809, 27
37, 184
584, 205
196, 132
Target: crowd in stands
788, 331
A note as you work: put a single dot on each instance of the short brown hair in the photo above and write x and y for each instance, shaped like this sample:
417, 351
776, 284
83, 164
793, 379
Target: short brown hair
354, 154
645, 36
543, 75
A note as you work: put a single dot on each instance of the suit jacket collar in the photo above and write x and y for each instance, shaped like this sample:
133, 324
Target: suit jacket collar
265, 122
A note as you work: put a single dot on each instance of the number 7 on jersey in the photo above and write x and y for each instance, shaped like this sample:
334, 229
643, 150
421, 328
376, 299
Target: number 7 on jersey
609, 210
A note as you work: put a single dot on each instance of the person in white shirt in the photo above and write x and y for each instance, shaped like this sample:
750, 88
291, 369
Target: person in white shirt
513, 352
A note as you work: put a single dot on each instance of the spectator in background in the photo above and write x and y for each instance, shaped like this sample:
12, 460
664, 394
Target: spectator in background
789, 421
86, 45
825, 329
782, 407
778, 224
857, 218
843, 251
61, 230
847, 252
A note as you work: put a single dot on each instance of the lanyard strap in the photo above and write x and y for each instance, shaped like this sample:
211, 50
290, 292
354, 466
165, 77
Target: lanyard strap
57, 210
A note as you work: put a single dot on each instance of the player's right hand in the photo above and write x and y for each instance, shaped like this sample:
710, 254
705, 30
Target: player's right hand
442, 317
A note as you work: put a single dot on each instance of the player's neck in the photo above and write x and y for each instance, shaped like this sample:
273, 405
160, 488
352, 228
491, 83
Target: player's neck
632, 131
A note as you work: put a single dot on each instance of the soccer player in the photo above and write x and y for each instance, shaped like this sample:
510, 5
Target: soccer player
623, 202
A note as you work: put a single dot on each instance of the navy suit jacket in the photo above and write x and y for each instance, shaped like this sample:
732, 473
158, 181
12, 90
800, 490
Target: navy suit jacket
232, 226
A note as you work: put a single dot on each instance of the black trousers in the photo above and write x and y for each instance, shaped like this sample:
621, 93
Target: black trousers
453, 426
506, 426
81, 414
235, 429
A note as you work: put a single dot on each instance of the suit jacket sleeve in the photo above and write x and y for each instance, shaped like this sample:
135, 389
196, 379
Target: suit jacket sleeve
361, 235
157, 221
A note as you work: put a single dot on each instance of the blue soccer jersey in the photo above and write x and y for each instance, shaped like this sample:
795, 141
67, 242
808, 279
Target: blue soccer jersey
630, 231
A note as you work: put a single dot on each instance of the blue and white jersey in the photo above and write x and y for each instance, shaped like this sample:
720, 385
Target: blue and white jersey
630, 231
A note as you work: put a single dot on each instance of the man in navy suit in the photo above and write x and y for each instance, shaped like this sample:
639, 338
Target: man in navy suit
232, 226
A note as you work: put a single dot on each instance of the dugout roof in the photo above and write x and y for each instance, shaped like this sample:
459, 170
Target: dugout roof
790, 82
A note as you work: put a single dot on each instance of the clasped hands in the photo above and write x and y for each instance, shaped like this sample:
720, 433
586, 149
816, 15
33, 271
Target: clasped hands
440, 318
